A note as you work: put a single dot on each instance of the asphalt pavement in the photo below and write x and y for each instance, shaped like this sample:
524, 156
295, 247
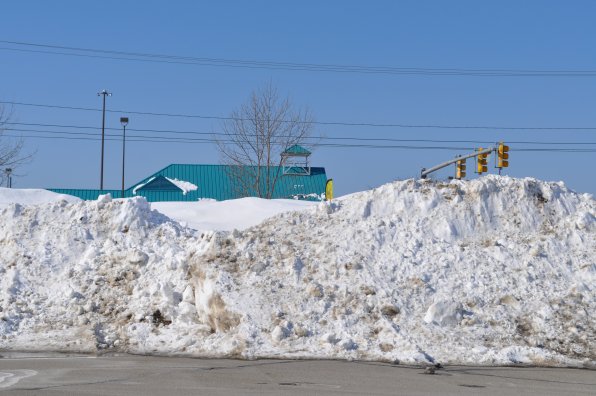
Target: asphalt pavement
54, 374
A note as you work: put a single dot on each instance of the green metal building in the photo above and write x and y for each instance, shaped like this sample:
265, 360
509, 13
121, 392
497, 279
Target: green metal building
191, 182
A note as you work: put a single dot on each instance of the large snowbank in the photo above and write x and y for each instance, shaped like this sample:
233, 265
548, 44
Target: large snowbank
491, 271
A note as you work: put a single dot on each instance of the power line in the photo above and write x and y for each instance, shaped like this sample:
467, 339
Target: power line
141, 138
341, 123
377, 139
213, 140
276, 65
117, 135
208, 141
97, 139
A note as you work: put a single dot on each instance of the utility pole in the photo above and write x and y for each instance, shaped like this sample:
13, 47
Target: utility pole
8, 172
103, 93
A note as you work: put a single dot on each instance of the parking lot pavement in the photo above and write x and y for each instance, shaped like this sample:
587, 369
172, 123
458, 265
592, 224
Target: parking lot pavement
54, 374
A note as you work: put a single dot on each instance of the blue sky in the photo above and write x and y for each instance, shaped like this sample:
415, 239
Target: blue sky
533, 35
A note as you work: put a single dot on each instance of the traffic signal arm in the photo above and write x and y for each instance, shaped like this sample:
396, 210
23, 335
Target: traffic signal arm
426, 171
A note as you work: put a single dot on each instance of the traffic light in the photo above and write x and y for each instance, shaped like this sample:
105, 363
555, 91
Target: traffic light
329, 190
481, 162
460, 169
502, 155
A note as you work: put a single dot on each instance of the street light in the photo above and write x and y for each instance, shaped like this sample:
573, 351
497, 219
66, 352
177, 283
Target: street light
124, 122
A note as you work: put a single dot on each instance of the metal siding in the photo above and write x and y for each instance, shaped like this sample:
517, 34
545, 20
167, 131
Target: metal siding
220, 177
210, 181
213, 181
86, 194
211, 174
228, 191
212, 177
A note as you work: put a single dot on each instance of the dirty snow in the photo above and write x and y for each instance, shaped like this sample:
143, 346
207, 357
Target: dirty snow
491, 271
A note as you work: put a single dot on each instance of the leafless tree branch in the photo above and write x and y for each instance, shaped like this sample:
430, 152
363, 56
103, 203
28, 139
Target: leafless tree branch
11, 149
255, 136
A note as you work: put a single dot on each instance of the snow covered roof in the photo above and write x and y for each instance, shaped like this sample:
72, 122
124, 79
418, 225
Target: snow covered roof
158, 183
296, 150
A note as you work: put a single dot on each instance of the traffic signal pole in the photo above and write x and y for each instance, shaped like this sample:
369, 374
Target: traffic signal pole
425, 172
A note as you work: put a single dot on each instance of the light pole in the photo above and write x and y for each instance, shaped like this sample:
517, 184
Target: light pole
124, 122
103, 93
8, 172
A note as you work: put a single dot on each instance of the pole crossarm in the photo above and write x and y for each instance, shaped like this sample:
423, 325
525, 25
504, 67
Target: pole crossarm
425, 172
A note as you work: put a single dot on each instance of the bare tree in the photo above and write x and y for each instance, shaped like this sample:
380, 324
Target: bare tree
11, 155
254, 137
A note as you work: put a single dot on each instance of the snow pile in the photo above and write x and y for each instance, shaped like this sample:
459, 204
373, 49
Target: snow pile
31, 197
69, 271
495, 270
209, 214
491, 271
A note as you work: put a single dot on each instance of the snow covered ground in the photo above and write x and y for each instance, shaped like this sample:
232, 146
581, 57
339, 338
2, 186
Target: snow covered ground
491, 271
239, 214
31, 197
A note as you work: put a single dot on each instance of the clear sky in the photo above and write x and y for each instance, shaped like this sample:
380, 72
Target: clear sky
512, 35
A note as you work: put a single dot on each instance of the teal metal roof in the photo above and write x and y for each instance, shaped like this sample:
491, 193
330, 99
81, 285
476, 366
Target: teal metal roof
296, 150
159, 183
213, 181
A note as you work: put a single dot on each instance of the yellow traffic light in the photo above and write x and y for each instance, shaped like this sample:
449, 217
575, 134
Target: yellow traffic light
460, 169
481, 162
329, 190
503, 155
